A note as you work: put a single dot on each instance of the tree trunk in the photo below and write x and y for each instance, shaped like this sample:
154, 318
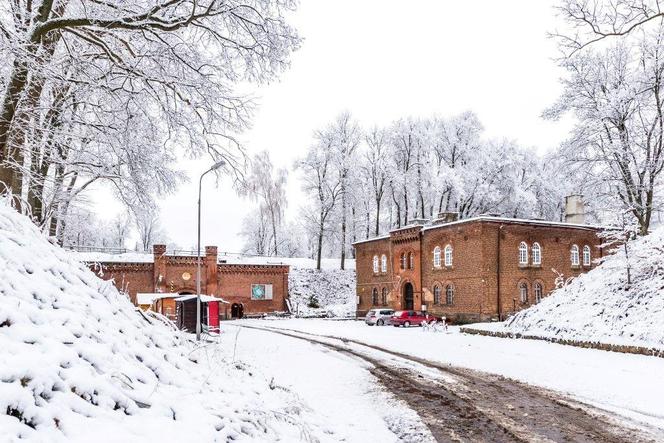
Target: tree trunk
319, 250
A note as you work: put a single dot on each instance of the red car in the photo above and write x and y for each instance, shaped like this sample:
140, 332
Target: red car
408, 318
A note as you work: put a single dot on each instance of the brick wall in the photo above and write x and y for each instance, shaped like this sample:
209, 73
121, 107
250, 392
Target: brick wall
235, 286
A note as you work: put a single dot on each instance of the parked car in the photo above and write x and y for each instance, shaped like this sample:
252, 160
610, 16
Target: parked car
409, 318
378, 317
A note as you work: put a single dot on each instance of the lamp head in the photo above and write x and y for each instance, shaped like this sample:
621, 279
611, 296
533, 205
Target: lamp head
218, 165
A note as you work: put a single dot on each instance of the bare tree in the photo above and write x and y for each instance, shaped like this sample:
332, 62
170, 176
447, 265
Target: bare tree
268, 187
322, 183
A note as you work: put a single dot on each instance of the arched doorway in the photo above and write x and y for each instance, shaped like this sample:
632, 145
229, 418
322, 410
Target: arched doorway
237, 310
408, 299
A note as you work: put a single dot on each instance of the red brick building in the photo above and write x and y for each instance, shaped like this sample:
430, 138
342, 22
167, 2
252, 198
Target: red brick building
477, 269
249, 289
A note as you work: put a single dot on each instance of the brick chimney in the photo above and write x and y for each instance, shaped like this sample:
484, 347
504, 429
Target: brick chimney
575, 209
210, 271
159, 268
446, 217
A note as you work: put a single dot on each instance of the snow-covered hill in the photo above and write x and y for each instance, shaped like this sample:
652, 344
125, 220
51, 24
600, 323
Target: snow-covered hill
601, 307
79, 363
333, 290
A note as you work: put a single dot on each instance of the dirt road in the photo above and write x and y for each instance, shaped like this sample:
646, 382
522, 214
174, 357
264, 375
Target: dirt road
462, 405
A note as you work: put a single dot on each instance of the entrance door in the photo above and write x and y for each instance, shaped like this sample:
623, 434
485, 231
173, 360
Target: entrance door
237, 310
408, 301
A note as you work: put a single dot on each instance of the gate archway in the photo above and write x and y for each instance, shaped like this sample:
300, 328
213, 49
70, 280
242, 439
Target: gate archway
237, 310
408, 297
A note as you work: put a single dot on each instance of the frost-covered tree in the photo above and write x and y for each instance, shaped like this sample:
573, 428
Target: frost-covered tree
267, 186
616, 94
99, 90
321, 182
149, 228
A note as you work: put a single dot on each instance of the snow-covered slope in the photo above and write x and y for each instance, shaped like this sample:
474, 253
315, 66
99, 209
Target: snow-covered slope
79, 363
601, 307
333, 289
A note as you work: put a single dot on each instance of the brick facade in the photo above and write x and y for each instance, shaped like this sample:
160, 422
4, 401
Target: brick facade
177, 274
486, 279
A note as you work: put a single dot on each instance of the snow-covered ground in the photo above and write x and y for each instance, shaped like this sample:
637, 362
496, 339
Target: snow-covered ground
333, 290
600, 306
78, 362
350, 406
630, 385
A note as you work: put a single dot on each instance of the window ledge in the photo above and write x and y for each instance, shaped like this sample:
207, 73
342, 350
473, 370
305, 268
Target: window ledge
539, 266
576, 267
523, 265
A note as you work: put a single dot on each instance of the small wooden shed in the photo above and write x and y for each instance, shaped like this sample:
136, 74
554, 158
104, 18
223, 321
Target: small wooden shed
185, 308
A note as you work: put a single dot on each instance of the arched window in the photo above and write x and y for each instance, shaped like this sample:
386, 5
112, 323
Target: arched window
448, 255
411, 260
436, 295
383, 263
375, 264
374, 297
436, 257
384, 296
523, 292
403, 260
586, 255
523, 253
575, 255
537, 254
537, 289
449, 295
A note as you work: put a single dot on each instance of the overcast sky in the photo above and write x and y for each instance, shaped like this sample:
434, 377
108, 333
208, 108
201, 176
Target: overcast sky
382, 60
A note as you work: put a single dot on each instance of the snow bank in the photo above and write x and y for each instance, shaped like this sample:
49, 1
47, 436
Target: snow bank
79, 363
600, 306
332, 289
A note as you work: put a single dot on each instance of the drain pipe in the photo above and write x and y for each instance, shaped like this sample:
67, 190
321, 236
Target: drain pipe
498, 301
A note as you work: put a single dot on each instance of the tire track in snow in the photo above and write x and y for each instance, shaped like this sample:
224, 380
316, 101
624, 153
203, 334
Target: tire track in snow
466, 405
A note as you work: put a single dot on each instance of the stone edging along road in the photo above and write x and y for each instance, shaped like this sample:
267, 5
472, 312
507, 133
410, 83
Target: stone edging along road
626, 349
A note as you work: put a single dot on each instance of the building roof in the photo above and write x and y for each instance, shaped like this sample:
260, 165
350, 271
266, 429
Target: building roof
204, 298
494, 219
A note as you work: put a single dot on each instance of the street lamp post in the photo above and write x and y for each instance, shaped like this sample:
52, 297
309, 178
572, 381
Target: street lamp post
214, 167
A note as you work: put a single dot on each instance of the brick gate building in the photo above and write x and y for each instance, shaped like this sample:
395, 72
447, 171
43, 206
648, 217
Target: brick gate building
249, 288
477, 269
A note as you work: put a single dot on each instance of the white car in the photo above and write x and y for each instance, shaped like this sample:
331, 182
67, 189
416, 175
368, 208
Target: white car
378, 317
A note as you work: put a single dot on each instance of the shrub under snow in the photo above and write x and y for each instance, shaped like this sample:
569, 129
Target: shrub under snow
79, 363
333, 290
600, 306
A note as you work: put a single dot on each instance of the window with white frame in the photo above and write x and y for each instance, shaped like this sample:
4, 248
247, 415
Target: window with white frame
574, 255
537, 289
436, 257
586, 255
403, 260
411, 260
375, 264
448, 255
537, 254
523, 253
449, 295
523, 292
384, 296
383, 263
436, 295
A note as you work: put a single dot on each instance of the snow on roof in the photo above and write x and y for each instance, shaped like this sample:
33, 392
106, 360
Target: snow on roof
105, 257
491, 218
230, 258
204, 298
149, 298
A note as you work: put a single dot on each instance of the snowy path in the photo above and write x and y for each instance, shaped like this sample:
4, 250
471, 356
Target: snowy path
349, 406
629, 385
470, 406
